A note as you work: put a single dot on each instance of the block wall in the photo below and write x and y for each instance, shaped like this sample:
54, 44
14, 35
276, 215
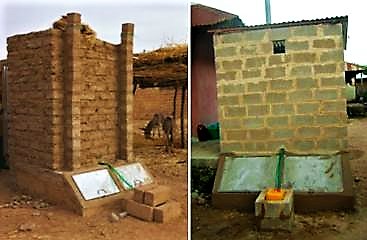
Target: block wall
295, 99
98, 100
30, 104
70, 97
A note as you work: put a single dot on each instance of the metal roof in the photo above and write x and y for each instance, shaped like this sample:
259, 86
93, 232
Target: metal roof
202, 15
332, 20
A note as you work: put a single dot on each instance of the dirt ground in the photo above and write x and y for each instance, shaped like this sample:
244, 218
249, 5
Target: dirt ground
210, 223
35, 219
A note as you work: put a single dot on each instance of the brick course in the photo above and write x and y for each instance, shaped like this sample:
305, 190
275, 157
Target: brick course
65, 86
295, 98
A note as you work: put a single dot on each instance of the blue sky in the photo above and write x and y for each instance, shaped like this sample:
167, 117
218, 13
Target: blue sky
157, 22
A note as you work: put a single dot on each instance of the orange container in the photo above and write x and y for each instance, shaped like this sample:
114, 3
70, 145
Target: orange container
275, 194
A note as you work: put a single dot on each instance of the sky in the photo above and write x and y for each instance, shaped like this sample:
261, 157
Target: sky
252, 12
157, 22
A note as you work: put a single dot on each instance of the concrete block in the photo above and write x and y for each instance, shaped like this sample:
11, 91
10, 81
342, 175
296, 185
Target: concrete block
300, 95
255, 62
225, 52
139, 210
231, 38
257, 87
324, 43
285, 224
275, 72
304, 57
308, 132
258, 110
253, 98
281, 84
235, 111
304, 108
227, 76
236, 135
157, 195
233, 88
254, 122
308, 30
280, 121
232, 65
282, 109
251, 74
301, 71
166, 212
306, 83
274, 209
276, 97
332, 30
326, 68
332, 81
232, 124
259, 134
256, 35
334, 55
283, 133
229, 100
302, 120
296, 45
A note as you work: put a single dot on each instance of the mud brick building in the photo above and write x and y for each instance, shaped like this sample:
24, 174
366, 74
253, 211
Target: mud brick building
282, 85
69, 104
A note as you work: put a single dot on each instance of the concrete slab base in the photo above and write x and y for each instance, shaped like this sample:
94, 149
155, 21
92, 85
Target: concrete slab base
303, 201
58, 188
275, 215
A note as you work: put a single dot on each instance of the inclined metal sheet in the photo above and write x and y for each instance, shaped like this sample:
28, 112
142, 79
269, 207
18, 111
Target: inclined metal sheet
135, 175
95, 184
302, 173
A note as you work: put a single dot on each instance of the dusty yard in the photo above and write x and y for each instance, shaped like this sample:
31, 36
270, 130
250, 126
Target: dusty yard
209, 223
34, 219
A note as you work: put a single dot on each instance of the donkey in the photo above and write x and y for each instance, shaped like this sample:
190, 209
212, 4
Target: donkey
168, 131
159, 121
154, 125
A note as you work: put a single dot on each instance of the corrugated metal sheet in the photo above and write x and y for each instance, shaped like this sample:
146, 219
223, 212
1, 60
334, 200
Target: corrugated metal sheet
203, 15
332, 20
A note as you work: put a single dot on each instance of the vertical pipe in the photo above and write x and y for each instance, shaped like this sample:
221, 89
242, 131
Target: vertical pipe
267, 11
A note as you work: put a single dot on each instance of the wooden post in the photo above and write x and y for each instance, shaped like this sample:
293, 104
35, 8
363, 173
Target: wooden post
183, 93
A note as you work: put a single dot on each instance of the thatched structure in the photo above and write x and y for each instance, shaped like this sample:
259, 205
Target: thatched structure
164, 68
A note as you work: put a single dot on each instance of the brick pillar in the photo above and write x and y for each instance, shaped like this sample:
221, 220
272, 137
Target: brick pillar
72, 77
125, 102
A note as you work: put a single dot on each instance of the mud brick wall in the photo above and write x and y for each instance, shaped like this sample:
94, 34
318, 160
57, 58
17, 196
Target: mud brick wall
98, 101
30, 103
154, 100
295, 99
70, 97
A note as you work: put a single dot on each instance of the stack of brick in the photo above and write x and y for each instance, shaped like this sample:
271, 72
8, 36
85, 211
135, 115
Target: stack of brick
151, 203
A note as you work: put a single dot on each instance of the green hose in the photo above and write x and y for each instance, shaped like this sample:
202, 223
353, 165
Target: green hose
117, 173
279, 169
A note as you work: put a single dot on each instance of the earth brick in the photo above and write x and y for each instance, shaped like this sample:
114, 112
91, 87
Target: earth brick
139, 210
139, 192
167, 212
157, 195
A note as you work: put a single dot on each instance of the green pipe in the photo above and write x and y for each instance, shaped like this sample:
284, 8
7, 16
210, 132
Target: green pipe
117, 173
279, 169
